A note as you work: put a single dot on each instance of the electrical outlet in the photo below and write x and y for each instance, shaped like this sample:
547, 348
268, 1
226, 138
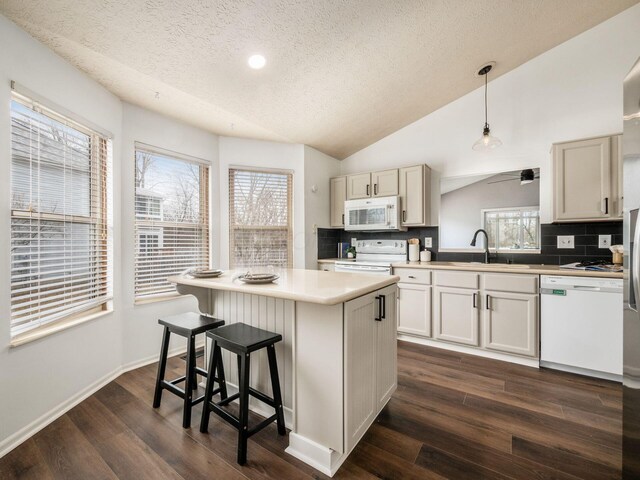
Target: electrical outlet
604, 241
428, 242
566, 241
353, 241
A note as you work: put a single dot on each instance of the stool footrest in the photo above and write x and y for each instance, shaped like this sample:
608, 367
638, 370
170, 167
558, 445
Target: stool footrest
228, 400
177, 380
261, 425
262, 397
232, 419
202, 371
172, 388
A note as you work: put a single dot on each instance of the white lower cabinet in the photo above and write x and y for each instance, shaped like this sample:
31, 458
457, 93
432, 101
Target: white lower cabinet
456, 315
327, 267
490, 311
511, 322
414, 309
369, 360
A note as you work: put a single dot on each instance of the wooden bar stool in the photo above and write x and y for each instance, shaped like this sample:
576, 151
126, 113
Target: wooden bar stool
243, 339
187, 325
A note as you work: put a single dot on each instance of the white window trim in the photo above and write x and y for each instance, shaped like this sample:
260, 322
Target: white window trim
513, 209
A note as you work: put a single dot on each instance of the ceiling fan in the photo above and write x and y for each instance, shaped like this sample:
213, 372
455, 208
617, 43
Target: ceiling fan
526, 176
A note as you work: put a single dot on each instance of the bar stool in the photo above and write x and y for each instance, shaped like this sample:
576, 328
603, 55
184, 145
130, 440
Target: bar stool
187, 325
243, 339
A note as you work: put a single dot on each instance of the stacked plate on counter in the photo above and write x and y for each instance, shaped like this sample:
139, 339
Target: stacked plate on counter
205, 273
255, 278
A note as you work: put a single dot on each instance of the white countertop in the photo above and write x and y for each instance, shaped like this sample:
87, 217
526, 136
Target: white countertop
504, 268
312, 286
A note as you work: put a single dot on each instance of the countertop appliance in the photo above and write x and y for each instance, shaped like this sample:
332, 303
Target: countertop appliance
375, 256
373, 214
581, 325
631, 231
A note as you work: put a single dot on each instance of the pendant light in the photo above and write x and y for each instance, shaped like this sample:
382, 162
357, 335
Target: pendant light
487, 142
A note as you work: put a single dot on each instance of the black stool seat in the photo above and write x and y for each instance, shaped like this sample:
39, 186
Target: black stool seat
190, 323
187, 325
242, 339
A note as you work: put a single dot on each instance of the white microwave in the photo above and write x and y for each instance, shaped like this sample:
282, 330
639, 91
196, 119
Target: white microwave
373, 214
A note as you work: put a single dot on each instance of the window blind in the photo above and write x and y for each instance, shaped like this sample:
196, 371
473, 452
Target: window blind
60, 197
260, 218
172, 219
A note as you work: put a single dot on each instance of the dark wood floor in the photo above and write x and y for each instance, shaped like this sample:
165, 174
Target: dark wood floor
453, 416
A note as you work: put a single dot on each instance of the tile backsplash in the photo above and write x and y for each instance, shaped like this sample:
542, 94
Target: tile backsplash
585, 236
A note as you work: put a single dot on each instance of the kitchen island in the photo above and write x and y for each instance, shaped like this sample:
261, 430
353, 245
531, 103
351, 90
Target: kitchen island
337, 360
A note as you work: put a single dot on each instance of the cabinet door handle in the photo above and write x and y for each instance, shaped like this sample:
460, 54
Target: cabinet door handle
606, 205
475, 300
487, 304
379, 317
343, 218
375, 189
404, 215
367, 189
383, 299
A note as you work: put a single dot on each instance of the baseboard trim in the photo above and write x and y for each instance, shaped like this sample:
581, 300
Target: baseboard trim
29, 430
527, 362
582, 371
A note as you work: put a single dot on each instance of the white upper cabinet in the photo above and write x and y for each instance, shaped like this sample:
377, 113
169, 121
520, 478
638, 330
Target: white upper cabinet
586, 178
414, 189
338, 192
358, 186
385, 183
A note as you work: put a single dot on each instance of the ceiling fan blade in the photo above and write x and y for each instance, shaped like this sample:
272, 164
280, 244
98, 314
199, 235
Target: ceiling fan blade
505, 180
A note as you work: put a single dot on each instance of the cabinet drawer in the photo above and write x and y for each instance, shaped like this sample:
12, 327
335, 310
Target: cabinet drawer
413, 275
503, 282
457, 279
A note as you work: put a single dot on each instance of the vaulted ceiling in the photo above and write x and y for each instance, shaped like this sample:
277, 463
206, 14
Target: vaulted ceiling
340, 74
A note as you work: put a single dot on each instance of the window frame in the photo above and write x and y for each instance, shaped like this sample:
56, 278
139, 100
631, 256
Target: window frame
288, 227
99, 217
525, 251
152, 225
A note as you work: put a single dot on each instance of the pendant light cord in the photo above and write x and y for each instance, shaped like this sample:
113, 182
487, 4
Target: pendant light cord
486, 124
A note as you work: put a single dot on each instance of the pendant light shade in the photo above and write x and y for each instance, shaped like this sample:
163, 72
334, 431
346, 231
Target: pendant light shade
487, 142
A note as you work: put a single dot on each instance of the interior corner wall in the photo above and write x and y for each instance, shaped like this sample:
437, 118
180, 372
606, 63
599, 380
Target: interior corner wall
141, 333
318, 170
38, 379
243, 152
570, 92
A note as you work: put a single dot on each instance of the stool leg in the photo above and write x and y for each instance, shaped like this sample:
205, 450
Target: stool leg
275, 386
194, 379
214, 360
188, 389
243, 384
162, 367
222, 381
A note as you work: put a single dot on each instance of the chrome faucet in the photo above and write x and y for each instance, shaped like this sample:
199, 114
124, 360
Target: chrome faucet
486, 236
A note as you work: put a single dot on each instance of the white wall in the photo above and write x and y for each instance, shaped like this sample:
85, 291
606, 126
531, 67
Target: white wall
318, 170
141, 333
572, 91
36, 378
262, 154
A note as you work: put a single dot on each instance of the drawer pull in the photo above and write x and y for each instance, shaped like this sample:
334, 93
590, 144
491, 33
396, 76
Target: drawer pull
475, 300
412, 276
487, 304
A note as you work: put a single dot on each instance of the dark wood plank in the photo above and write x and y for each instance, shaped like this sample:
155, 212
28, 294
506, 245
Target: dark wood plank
393, 442
25, 463
564, 461
73, 458
454, 467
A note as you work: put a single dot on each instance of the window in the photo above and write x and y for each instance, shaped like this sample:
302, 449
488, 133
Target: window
172, 219
260, 232
513, 229
60, 196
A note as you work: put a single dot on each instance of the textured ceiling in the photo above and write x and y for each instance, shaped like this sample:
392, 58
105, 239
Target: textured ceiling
340, 74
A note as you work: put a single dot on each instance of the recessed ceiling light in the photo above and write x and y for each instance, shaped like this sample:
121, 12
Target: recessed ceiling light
257, 61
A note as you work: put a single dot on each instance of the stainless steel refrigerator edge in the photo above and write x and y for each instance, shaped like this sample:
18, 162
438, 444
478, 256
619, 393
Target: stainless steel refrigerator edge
631, 359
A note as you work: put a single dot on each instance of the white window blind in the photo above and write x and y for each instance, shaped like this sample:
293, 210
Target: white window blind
513, 229
60, 197
172, 219
260, 218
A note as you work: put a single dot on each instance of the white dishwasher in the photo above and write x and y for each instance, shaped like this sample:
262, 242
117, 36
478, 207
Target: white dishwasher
581, 325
